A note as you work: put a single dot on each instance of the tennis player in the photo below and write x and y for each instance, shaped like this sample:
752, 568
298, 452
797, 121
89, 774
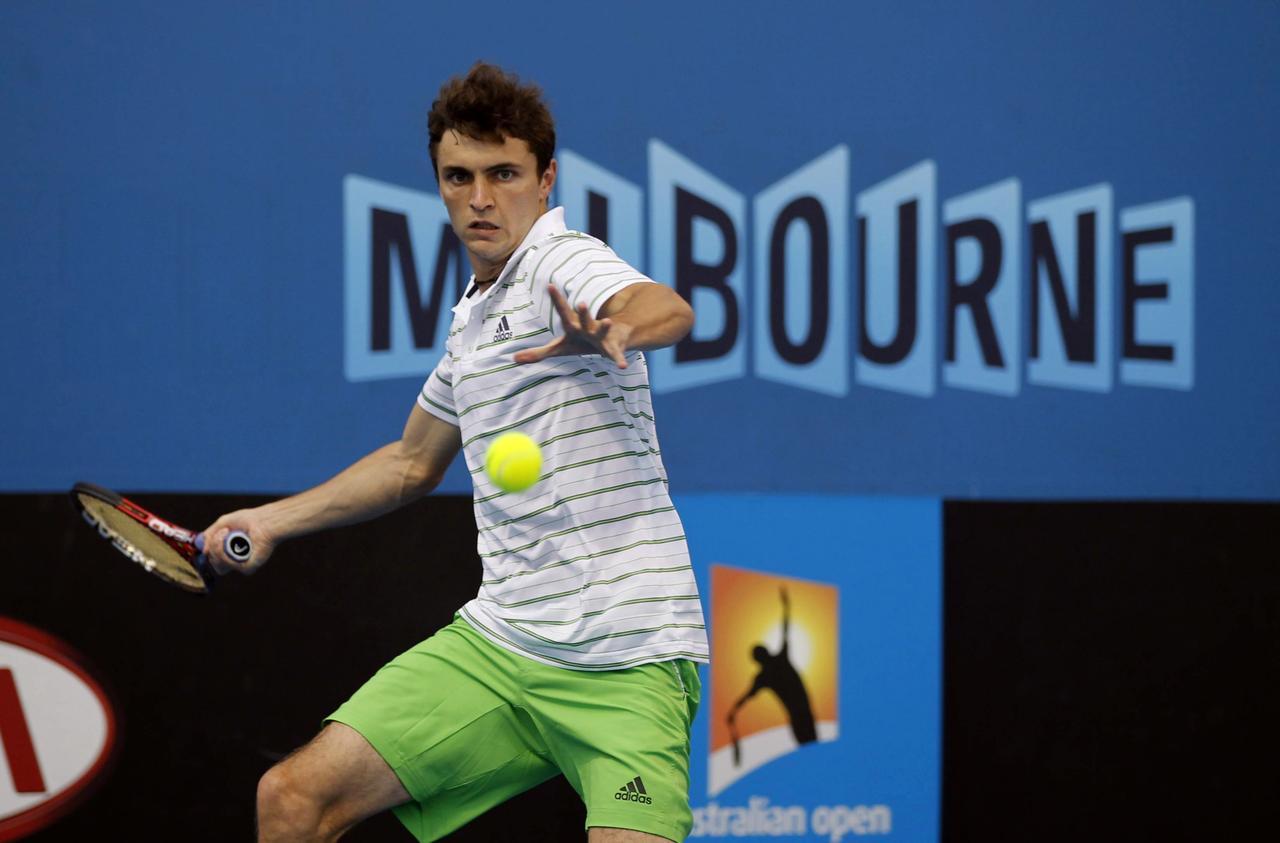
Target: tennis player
577, 656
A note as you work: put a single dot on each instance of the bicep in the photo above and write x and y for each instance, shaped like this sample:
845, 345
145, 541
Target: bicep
645, 295
618, 301
429, 443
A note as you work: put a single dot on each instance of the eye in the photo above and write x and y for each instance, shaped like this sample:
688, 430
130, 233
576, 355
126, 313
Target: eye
456, 178
505, 175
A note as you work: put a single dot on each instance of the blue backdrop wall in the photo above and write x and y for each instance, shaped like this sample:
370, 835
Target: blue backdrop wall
990, 250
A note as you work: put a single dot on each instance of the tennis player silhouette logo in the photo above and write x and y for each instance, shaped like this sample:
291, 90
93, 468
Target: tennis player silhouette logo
779, 675
774, 670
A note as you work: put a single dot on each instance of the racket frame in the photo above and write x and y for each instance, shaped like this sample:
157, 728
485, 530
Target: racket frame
184, 542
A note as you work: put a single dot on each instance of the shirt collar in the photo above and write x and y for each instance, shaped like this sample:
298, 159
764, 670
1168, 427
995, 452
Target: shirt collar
548, 225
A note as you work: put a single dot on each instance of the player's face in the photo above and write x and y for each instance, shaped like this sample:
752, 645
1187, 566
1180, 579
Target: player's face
494, 195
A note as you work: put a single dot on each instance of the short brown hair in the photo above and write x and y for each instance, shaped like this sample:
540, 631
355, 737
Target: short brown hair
491, 104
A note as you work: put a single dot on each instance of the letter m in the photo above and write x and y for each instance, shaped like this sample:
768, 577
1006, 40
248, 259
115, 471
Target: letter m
404, 269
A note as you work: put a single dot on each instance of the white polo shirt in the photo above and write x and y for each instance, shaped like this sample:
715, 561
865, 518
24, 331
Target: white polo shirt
588, 569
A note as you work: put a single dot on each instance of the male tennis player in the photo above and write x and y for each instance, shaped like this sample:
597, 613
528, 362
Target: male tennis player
577, 655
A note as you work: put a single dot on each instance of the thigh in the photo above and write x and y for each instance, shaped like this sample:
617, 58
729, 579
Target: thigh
621, 738
442, 718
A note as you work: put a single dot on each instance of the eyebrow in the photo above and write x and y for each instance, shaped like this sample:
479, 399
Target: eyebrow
506, 165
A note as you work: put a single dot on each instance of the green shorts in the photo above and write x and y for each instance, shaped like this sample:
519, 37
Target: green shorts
466, 725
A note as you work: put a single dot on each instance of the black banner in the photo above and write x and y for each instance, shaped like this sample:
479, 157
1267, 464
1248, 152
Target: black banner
211, 691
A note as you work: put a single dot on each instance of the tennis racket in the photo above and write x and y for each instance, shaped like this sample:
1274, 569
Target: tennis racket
173, 553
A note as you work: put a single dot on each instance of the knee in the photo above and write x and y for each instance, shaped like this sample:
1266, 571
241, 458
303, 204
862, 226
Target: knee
286, 809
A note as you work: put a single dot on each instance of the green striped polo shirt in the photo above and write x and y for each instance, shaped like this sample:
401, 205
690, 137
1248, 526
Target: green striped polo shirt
589, 568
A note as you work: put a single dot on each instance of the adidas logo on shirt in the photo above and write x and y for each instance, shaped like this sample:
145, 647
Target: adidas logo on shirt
633, 791
503, 332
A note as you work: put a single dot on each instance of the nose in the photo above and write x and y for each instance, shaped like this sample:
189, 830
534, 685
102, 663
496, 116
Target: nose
480, 196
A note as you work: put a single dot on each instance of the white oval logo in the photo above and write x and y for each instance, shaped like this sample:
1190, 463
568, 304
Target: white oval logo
57, 729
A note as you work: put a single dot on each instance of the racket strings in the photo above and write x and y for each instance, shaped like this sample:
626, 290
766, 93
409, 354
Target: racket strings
141, 544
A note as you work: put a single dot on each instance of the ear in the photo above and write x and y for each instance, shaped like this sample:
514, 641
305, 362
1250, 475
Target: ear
548, 181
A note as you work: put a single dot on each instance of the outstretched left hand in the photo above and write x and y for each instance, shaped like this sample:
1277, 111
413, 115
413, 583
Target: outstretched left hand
582, 335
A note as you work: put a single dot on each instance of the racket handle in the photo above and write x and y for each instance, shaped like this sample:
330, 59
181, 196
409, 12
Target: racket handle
238, 546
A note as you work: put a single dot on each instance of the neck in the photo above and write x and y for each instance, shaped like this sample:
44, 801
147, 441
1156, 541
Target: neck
486, 273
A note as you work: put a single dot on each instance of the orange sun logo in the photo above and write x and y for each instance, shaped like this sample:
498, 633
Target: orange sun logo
774, 669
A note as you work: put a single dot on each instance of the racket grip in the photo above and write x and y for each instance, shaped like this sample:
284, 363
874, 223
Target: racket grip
238, 546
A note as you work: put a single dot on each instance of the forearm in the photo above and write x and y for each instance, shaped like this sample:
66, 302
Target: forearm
655, 316
376, 484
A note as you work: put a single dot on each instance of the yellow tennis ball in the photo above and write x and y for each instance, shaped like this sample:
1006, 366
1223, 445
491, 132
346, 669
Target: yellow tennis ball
513, 462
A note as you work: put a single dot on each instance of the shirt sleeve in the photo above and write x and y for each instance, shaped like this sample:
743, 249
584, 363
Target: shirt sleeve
587, 271
436, 396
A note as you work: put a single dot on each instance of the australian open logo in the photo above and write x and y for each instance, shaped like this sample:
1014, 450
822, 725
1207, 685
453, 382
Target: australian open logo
775, 670
811, 284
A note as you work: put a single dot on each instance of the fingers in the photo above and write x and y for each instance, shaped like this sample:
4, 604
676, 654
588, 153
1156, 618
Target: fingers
608, 346
216, 554
582, 334
215, 536
583, 323
562, 307
586, 331
210, 541
575, 320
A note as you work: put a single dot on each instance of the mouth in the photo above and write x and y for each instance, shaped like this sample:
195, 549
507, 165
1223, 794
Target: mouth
482, 225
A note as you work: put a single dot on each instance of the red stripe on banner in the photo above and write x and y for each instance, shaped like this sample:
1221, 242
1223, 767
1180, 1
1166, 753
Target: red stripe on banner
16, 738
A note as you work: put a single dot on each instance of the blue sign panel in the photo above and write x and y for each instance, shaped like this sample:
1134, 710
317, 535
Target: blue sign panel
603, 205
825, 624
697, 225
794, 220
984, 325
1158, 274
404, 271
937, 273
896, 223
1071, 290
